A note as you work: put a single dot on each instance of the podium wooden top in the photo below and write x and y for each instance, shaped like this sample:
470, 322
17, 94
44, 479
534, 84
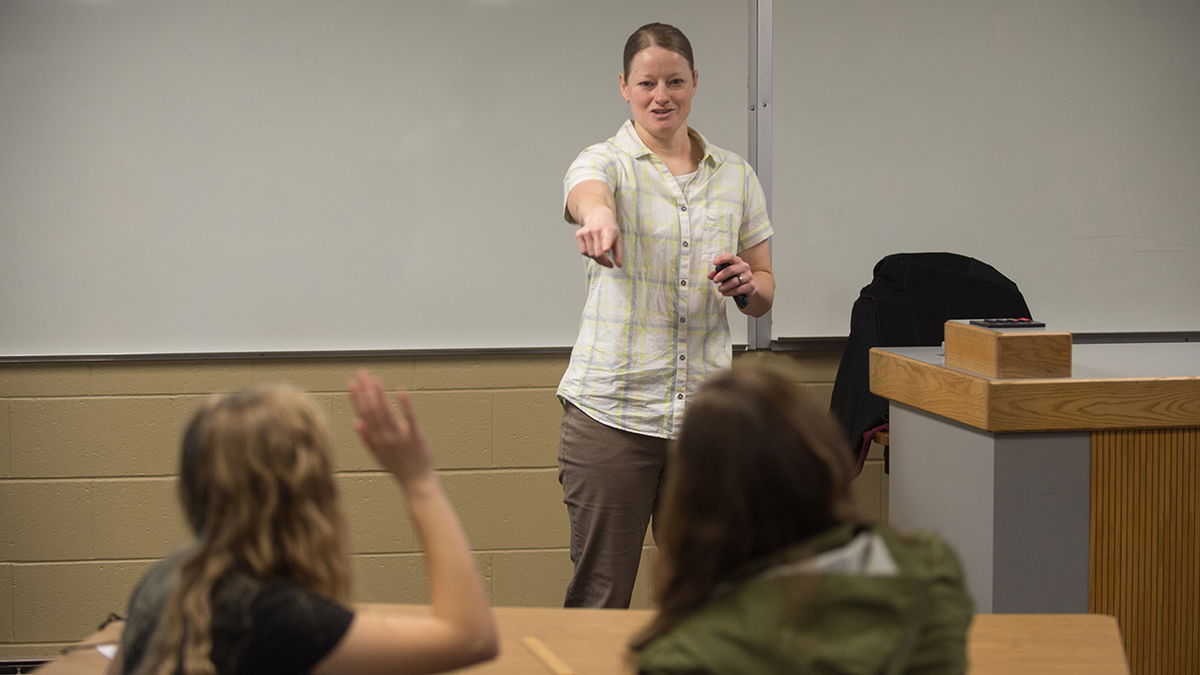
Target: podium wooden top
1112, 386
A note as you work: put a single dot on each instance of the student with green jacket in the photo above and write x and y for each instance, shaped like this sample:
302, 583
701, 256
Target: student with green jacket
765, 565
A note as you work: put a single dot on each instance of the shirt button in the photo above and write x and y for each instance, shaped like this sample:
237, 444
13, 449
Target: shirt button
682, 357
682, 319
679, 396
683, 282
685, 244
683, 208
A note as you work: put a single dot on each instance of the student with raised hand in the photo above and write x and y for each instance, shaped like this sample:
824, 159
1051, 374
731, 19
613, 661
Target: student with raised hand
265, 587
658, 208
765, 566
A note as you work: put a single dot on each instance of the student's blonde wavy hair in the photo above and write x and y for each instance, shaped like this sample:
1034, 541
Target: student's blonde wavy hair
256, 484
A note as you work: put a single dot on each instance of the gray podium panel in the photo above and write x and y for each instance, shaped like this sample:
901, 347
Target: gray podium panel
1015, 506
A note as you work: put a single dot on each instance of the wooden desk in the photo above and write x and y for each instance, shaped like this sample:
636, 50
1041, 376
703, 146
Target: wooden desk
1072, 494
80, 660
587, 640
1037, 644
592, 641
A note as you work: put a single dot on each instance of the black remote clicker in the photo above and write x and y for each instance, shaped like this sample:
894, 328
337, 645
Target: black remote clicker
740, 299
1009, 322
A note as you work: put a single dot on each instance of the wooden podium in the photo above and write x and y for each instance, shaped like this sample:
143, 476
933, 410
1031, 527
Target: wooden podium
1077, 491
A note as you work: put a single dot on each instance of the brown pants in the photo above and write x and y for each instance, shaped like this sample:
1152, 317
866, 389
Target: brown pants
610, 482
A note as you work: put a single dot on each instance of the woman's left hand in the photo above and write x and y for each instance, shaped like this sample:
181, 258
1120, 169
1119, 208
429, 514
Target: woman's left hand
736, 279
749, 273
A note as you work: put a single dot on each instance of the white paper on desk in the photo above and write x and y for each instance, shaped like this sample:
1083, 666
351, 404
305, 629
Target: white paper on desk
109, 650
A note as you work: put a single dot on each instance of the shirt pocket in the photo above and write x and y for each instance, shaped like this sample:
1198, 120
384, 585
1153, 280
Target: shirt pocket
718, 234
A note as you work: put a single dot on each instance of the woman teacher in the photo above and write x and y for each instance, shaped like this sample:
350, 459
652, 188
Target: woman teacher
658, 209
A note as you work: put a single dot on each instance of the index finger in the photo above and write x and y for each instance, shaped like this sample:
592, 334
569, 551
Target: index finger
366, 392
408, 416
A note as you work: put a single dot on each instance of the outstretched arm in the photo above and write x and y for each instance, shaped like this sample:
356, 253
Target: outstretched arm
460, 630
591, 204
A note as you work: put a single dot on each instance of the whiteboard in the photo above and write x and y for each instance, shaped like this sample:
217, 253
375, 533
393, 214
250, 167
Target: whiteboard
1058, 140
311, 175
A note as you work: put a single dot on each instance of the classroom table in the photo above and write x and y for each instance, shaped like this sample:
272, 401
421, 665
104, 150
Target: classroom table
588, 641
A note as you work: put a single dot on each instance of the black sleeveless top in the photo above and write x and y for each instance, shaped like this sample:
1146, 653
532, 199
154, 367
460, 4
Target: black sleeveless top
262, 627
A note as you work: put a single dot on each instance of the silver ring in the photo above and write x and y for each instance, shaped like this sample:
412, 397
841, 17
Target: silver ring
740, 282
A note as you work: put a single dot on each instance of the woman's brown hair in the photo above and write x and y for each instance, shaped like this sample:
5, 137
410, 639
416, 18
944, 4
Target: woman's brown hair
758, 467
658, 35
256, 485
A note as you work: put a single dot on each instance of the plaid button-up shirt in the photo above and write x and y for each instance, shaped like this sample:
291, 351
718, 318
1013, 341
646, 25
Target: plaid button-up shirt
655, 328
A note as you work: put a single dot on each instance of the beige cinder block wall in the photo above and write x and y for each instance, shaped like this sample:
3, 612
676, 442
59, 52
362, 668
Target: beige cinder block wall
88, 455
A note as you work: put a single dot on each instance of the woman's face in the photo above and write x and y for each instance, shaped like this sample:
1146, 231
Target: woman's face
659, 89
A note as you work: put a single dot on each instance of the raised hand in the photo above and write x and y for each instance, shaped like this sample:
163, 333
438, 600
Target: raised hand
389, 431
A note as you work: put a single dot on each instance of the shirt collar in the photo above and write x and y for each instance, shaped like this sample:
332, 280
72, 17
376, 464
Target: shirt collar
628, 140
